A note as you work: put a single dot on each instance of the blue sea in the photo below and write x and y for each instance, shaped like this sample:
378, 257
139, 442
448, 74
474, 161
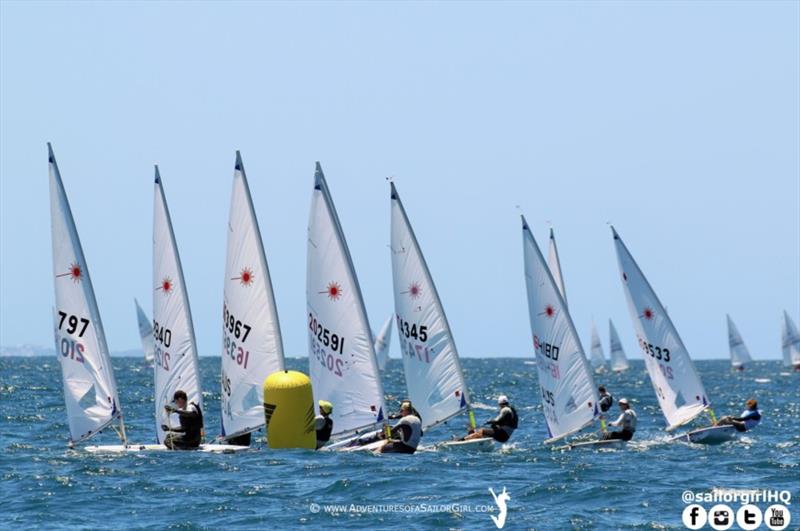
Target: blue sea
45, 485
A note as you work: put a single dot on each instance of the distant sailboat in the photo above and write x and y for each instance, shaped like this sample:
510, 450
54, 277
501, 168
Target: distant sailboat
145, 333
740, 356
176, 365
434, 378
597, 357
568, 391
252, 347
619, 362
90, 391
675, 380
790, 343
342, 361
382, 343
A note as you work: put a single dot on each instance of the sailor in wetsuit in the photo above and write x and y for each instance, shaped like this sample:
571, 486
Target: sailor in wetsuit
748, 420
323, 423
502, 426
189, 435
627, 420
606, 400
406, 434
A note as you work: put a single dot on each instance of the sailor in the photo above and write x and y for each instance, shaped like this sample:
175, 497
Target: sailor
748, 420
189, 434
406, 434
627, 420
502, 426
323, 423
606, 400
400, 415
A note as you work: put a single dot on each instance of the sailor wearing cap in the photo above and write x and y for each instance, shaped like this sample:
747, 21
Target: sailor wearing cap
502, 426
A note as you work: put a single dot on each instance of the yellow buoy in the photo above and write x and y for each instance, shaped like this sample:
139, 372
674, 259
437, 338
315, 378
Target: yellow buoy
289, 410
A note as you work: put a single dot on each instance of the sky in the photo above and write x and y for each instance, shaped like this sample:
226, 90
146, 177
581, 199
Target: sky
678, 122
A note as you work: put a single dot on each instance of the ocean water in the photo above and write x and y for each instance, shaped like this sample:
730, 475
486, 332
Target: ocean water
44, 485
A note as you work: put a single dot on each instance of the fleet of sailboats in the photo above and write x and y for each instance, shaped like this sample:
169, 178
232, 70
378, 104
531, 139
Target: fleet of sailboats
345, 357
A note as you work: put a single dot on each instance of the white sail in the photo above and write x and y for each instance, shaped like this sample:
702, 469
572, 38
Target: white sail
434, 378
342, 361
739, 353
146, 333
791, 342
555, 267
176, 365
598, 359
675, 381
382, 343
619, 362
252, 348
569, 394
90, 391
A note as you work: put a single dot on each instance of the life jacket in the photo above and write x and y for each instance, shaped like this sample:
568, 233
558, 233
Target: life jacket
324, 433
513, 423
414, 424
605, 402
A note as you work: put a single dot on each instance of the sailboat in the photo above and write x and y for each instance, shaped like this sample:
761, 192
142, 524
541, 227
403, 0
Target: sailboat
619, 362
597, 357
677, 385
90, 391
342, 361
740, 356
146, 334
568, 391
252, 347
382, 343
790, 343
434, 377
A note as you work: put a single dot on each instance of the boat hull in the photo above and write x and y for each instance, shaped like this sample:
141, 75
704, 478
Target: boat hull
711, 435
485, 444
136, 448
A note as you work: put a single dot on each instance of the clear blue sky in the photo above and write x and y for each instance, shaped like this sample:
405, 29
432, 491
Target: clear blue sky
677, 121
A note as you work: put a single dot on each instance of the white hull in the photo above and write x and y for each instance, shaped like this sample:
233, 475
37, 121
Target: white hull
135, 448
610, 443
485, 444
710, 435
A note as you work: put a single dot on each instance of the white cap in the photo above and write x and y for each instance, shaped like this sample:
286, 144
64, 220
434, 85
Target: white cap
502, 399
623, 401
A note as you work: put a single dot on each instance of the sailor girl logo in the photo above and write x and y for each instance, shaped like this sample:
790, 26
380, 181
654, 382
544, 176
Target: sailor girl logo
74, 273
334, 291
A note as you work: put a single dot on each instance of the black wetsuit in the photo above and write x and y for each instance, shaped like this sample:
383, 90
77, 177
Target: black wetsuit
189, 435
503, 425
324, 428
605, 402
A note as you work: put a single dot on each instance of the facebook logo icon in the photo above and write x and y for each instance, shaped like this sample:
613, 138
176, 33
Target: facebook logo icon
694, 516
